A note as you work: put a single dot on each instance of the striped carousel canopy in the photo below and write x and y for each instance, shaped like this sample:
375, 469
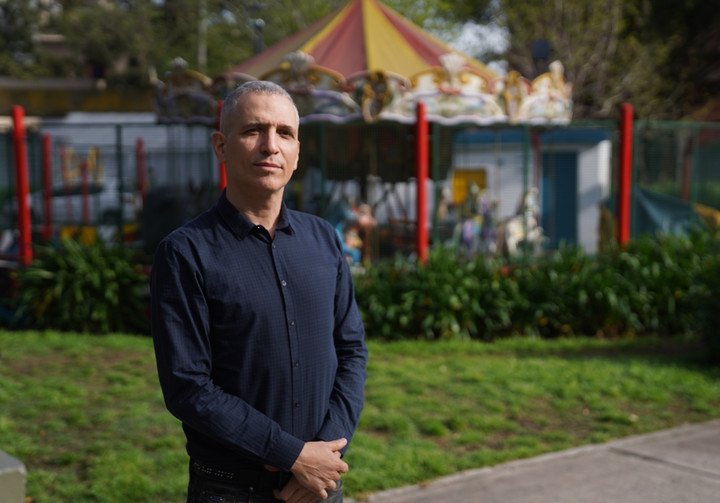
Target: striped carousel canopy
365, 62
362, 36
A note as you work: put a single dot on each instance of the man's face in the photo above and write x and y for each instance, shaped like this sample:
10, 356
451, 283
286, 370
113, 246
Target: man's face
260, 148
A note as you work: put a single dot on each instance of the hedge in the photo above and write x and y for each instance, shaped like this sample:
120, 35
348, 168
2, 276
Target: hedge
656, 285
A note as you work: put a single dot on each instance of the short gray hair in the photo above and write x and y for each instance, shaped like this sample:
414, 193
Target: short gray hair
250, 87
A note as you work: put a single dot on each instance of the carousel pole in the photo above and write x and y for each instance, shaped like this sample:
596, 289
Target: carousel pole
625, 174
421, 160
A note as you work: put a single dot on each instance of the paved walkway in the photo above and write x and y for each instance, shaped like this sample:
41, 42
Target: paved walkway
671, 466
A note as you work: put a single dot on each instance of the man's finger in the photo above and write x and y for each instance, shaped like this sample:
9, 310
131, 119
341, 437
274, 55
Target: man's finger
302, 497
287, 492
338, 444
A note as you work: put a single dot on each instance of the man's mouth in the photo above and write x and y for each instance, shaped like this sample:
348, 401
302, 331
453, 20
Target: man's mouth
268, 165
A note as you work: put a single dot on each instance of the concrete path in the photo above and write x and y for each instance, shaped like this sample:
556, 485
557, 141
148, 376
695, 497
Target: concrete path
671, 466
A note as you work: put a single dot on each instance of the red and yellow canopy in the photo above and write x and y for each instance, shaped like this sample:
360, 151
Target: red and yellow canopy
365, 61
365, 35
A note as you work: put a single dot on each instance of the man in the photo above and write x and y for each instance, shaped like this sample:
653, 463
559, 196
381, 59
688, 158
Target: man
259, 344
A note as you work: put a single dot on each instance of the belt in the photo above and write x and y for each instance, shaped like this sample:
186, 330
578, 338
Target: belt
250, 478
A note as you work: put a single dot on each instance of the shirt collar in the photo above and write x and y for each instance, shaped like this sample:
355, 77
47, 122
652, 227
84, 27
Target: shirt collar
241, 226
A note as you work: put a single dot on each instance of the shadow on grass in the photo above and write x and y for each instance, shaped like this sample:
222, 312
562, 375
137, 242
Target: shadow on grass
689, 352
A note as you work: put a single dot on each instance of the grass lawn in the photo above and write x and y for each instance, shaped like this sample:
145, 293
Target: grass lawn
86, 417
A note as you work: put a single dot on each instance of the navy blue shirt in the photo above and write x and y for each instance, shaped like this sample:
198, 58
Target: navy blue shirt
259, 342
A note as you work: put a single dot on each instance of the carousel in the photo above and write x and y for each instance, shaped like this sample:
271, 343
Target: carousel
357, 76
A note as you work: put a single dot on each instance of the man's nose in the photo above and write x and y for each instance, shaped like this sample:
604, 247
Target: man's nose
270, 143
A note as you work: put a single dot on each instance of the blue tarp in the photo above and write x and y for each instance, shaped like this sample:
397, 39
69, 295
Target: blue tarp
655, 212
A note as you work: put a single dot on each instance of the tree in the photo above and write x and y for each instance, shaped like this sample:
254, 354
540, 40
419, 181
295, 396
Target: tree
585, 35
236, 30
102, 35
692, 31
17, 49
662, 55
151, 33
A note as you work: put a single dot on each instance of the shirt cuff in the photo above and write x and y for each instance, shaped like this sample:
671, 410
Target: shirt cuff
285, 451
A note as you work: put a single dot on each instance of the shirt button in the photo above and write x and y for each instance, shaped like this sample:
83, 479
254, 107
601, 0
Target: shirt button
283, 283
297, 364
292, 323
296, 404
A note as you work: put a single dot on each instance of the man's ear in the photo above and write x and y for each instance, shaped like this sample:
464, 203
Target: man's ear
218, 143
298, 158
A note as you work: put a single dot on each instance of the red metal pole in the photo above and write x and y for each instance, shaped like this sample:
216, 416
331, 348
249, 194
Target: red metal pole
22, 185
47, 230
625, 174
421, 159
222, 183
140, 167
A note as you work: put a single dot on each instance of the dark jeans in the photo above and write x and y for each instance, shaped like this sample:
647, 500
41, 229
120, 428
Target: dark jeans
207, 488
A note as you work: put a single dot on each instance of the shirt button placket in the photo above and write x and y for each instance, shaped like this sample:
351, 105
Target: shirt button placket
292, 332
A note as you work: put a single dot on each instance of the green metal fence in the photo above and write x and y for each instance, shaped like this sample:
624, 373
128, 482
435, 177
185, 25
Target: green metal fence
493, 189
676, 176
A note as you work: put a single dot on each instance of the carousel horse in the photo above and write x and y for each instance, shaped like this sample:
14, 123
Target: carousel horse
522, 227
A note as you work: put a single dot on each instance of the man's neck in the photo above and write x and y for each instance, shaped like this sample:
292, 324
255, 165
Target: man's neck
259, 211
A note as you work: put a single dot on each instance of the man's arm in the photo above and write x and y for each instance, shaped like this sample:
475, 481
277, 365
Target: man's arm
347, 398
180, 326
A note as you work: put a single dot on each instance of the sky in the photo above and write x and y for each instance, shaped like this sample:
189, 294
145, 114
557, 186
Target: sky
477, 39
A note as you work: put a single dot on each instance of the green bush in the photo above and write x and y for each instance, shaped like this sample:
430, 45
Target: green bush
447, 298
710, 313
89, 288
665, 269
656, 285
649, 287
570, 293
706, 301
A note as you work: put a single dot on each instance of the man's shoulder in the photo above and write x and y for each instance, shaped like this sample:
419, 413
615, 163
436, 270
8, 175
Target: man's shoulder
309, 222
192, 232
